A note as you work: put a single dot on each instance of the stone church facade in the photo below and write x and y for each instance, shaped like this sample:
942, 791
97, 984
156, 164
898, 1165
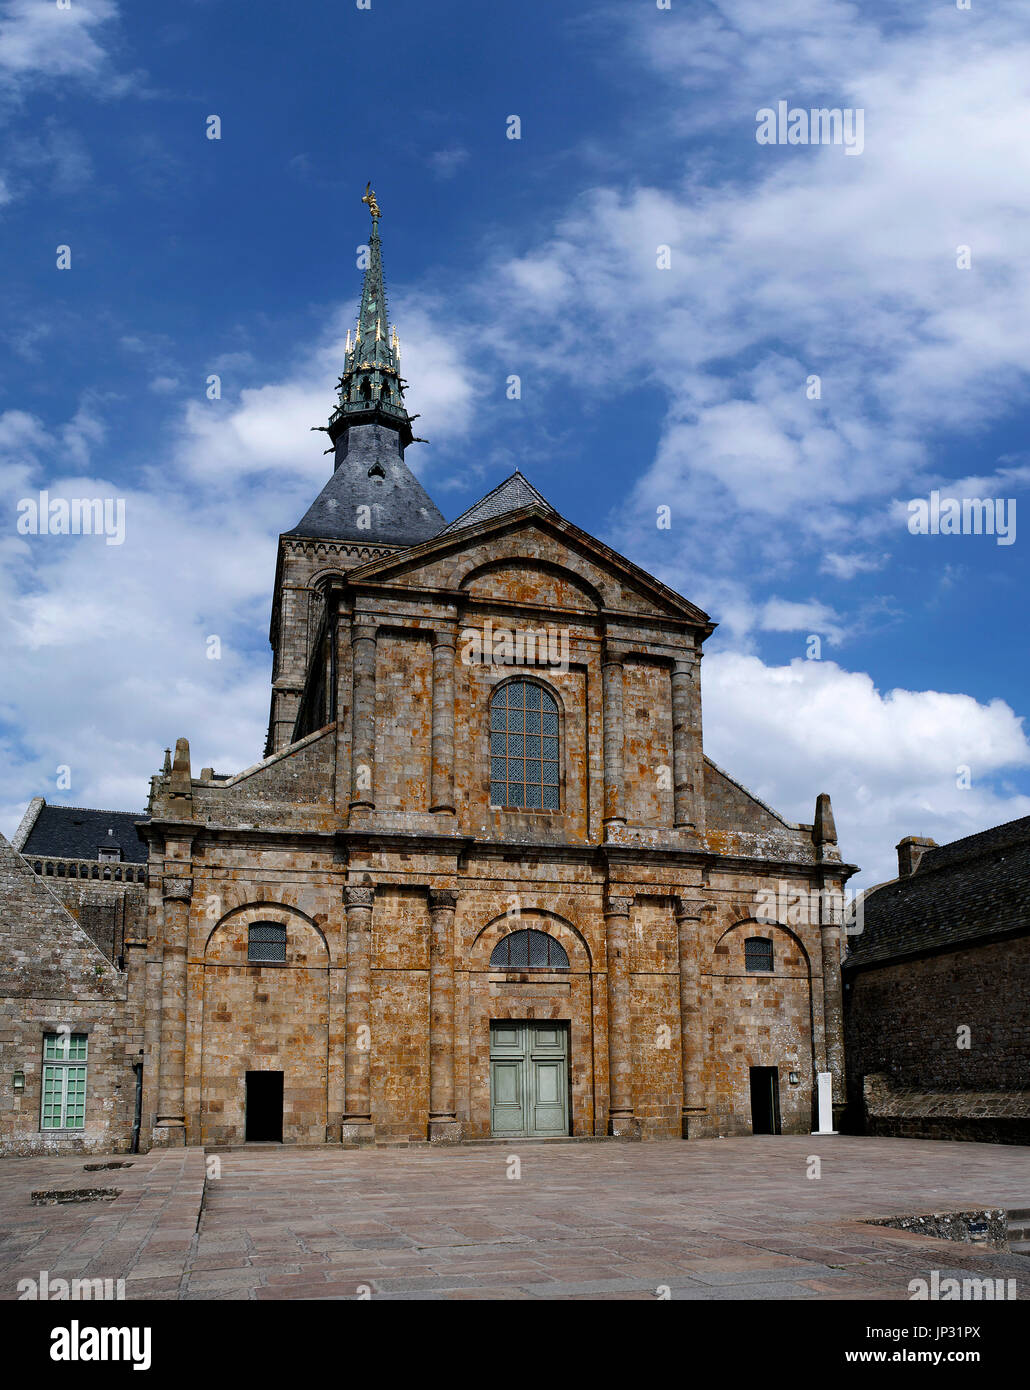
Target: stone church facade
484, 881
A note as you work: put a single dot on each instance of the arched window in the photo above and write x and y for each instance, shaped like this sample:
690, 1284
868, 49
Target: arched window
758, 954
521, 949
266, 941
524, 747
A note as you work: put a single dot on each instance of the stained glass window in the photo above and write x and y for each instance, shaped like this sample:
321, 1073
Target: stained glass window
524, 747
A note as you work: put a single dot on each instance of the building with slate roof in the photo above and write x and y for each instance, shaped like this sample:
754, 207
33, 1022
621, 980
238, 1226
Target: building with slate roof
937, 991
483, 881
77, 832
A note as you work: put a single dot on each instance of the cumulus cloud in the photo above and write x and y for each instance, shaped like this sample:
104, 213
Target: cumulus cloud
892, 761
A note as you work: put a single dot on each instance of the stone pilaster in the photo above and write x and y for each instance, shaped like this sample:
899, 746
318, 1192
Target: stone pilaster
692, 1024
687, 754
443, 1121
621, 1121
831, 941
612, 683
357, 1124
363, 708
444, 640
170, 1121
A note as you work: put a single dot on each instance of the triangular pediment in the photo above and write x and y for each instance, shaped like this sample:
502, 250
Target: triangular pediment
517, 546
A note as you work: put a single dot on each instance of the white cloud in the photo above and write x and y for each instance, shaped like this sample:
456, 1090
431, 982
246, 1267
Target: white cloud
800, 262
446, 163
39, 40
107, 644
890, 761
786, 615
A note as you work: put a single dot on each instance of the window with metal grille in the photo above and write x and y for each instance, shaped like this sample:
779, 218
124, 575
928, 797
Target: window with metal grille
524, 949
524, 747
266, 941
758, 953
64, 1081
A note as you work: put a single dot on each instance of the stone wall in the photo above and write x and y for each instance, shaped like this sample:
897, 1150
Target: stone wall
903, 1018
55, 979
394, 889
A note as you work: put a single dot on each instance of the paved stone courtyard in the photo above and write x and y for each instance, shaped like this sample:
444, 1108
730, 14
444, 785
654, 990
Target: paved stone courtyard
709, 1219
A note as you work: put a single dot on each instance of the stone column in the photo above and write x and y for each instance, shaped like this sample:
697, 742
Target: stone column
611, 676
831, 941
357, 1127
363, 708
170, 1122
620, 1050
687, 756
692, 1024
443, 1122
442, 798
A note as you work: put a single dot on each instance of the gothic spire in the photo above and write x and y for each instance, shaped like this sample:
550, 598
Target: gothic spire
373, 496
371, 387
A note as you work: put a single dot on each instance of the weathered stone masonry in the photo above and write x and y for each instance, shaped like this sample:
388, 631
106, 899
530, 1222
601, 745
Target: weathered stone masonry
371, 834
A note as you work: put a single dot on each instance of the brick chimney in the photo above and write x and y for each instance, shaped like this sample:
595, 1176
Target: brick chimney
910, 851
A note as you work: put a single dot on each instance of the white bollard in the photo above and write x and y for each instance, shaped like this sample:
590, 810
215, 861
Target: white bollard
825, 1096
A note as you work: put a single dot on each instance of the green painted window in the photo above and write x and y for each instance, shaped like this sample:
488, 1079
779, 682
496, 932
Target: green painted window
64, 1081
524, 747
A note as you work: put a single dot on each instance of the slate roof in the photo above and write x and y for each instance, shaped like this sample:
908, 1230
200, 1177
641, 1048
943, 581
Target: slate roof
372, 475
973, 888
76, 832
515, 492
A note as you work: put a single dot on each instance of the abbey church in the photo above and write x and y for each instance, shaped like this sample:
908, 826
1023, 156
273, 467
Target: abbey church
483, 882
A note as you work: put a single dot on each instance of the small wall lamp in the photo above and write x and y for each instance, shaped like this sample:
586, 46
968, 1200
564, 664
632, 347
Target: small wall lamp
19, 1081
794, 1079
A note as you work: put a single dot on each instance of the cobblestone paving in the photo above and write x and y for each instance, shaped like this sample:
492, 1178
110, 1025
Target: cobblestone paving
709, 1219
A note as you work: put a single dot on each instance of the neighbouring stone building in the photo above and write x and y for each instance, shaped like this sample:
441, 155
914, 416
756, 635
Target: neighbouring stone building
937, 992
483, 882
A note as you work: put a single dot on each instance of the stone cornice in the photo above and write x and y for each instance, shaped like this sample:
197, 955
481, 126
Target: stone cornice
298, 545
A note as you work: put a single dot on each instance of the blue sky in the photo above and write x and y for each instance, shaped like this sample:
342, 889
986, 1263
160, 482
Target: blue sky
642, 386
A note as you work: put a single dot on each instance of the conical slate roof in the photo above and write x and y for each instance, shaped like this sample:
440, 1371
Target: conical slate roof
510, 496
373, 496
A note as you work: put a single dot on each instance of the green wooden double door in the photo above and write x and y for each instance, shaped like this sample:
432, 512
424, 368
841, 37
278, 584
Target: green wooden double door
529, 1079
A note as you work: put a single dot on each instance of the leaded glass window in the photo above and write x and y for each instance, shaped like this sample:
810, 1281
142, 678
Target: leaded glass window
524, 747
266, 941
64, 1081
758, 954
521, 950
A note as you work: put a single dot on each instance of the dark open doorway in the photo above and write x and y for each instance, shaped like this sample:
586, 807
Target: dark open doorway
265, 1106
765, 1100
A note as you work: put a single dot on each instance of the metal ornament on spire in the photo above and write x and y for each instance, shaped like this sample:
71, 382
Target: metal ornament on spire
370, 198
371, 387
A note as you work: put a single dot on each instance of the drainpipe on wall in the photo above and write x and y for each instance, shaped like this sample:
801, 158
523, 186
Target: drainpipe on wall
138, 1116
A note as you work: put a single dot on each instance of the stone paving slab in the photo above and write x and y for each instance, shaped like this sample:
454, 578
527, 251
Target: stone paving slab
145, 1236
707, 1220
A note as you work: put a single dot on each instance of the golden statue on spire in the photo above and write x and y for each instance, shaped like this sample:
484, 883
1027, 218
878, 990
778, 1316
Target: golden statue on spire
370, 199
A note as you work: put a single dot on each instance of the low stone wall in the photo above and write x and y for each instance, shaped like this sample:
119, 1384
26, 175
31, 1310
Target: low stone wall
907, 1112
